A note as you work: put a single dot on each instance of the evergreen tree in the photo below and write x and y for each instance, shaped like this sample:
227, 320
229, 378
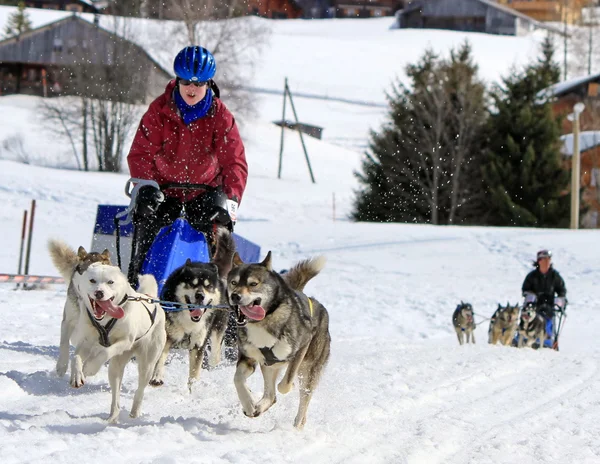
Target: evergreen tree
523, 169
18, 22
417, 165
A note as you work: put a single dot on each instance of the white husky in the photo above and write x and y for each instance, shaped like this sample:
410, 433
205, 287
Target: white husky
111, 323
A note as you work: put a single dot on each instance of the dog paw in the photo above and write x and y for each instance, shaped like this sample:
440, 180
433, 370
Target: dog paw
61, 369
156, 382
190, 384
113, 418
77, 380
284, 388
250, 411
299, 422
263, 405
215, 358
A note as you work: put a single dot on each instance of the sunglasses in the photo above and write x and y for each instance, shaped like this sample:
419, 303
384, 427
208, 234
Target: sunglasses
185, 83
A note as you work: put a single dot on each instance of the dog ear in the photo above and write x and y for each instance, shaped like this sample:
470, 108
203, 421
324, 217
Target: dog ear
105, 255
81, 253
237, 261
188, 262
267, 262
499, 307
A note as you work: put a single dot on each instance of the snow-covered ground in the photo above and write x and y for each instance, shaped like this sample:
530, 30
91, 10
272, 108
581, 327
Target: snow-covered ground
398, 388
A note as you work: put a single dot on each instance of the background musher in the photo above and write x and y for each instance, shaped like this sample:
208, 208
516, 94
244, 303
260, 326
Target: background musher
545, 288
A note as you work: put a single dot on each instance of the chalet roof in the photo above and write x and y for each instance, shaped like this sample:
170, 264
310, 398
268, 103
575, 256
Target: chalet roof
505, 9
587, 141
566, 87
75, 17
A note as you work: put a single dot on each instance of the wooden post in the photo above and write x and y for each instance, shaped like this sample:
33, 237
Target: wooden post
285, 87
300, 132
44, 83
575, 176
28, 254
333, 194
23, 230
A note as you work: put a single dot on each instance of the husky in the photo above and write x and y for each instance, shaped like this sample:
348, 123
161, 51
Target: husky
503, 324
114, 323
279, 328
463, 323
68, 263
531, 327
201, 284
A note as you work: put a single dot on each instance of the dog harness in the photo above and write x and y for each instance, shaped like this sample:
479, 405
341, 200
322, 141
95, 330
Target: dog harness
268, 354
104, 330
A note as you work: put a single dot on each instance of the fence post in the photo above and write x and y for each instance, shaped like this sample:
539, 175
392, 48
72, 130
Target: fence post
28, 254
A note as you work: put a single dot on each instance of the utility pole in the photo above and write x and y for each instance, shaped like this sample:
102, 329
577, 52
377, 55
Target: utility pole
575, 165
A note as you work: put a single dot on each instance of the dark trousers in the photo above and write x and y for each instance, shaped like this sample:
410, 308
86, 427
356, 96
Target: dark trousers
147, 227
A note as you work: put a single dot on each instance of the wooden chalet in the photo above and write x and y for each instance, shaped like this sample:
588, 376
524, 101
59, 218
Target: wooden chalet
275, 9
468, 15
316, 9
564, 96
75, 57
549, 10
589, 148
76, 6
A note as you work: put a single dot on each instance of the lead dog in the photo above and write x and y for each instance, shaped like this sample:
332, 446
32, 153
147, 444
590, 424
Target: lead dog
279, 328
463, 322
114, 324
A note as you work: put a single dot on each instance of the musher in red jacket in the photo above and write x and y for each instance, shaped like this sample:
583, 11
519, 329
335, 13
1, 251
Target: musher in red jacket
187, 136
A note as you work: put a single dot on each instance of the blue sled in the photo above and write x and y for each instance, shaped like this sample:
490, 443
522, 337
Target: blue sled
170, 250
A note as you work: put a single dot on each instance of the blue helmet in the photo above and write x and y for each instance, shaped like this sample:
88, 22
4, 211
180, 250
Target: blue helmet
195, 64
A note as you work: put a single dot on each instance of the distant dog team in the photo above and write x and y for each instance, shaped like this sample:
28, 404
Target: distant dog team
509, 325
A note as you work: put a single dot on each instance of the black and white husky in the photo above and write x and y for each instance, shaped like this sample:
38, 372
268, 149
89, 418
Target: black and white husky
201, 284
531, 327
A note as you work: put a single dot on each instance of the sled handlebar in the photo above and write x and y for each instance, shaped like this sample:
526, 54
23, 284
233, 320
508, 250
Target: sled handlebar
187, 186
134, 183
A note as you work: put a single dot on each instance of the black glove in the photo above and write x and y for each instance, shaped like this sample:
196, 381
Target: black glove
148, 200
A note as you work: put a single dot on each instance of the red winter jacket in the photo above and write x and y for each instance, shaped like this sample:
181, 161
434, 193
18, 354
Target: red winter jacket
207, 151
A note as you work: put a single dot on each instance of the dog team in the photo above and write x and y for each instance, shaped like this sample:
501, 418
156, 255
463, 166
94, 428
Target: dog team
275, 325
545, 294
506, 324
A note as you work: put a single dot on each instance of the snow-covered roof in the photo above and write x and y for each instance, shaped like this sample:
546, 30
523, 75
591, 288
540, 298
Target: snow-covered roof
587, 141
562, 88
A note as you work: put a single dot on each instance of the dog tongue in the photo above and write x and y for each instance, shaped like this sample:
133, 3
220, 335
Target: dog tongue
254, 312
112, 310
196, 313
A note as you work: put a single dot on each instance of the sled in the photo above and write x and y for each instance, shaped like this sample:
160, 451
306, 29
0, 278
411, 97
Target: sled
173, 245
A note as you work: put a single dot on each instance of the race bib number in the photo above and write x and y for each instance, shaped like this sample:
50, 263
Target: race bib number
232, 207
